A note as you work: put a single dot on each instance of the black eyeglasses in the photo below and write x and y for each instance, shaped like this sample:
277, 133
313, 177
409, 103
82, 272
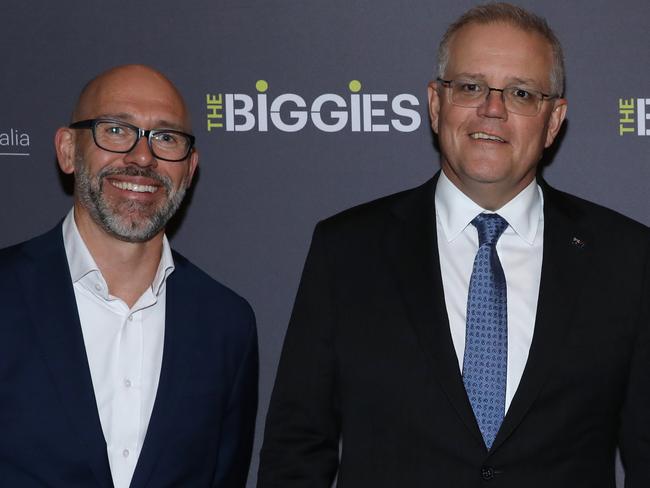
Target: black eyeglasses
517, 99
119, 137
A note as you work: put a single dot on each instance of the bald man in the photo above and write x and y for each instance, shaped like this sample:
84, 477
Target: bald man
123, 364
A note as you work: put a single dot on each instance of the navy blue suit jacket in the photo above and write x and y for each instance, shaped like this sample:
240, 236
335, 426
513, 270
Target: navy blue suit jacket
201, 428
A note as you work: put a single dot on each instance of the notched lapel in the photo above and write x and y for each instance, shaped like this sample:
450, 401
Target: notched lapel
45, 280
411, 245
180, 338
565, 266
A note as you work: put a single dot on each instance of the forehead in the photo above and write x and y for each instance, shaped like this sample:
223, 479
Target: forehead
500, 52
141, 97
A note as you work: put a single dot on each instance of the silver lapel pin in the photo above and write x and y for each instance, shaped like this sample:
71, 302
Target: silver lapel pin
577, 242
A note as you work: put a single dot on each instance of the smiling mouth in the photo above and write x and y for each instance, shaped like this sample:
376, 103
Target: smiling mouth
485, 137
124, 185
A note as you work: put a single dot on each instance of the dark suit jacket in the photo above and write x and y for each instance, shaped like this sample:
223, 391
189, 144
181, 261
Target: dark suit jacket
369, 373
201, 428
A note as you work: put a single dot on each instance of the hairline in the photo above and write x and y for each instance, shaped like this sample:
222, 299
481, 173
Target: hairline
504, 13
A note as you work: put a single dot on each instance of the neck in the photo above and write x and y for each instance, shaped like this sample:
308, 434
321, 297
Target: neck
128, 267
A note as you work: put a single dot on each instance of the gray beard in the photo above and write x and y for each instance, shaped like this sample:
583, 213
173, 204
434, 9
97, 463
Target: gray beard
129, 221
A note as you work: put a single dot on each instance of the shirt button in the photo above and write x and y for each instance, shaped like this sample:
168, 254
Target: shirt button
487, 472
127, 383
131, 318
125, 453
98, 287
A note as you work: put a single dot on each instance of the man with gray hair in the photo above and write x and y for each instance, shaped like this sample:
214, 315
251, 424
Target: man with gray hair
123, 364
483, 328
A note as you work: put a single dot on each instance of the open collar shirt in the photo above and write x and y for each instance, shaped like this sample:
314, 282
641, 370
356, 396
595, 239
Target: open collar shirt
124, 348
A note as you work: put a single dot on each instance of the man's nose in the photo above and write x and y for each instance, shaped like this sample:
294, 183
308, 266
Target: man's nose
494, 105
141, 154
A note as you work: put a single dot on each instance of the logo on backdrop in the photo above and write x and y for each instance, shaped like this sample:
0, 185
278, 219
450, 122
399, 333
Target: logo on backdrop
14, 142
634, 116
354, 111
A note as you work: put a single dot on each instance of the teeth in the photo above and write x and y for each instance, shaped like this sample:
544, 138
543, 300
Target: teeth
483, 135
124, 185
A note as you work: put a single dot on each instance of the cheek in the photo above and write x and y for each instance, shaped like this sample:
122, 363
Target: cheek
179, 177
526, 132
538, 134
528, 143
450, 124
94, 159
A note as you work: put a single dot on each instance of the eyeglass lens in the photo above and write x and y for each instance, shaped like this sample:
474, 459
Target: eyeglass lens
517, 100
114, 136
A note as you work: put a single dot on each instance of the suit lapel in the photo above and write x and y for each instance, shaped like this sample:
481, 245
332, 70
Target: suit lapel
180, 335
412, 249
564, 267
47, 287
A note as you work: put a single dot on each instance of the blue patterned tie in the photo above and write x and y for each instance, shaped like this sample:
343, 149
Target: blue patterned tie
486, 342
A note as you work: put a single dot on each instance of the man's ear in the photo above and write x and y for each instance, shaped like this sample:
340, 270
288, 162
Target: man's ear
555, 120
64, 143
434, 104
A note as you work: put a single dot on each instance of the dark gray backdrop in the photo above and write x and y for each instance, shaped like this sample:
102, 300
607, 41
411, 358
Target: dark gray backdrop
258, 194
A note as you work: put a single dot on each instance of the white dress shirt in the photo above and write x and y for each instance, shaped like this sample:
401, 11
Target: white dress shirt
124, 348
520, 252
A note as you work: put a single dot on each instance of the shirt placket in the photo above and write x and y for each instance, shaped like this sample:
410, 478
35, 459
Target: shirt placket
127, 402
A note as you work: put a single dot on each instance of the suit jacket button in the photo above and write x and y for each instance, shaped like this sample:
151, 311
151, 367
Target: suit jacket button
487, 472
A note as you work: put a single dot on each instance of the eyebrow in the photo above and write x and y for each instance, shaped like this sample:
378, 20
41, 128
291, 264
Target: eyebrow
159, 124
513, 80
526, 81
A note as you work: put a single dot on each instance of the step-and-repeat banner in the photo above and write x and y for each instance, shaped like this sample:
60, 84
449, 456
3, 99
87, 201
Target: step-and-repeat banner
273, 86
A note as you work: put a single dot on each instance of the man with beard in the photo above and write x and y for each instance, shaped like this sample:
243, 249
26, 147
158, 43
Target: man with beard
122, 364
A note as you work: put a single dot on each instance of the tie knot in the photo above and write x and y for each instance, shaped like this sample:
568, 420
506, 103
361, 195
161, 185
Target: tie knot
489, 227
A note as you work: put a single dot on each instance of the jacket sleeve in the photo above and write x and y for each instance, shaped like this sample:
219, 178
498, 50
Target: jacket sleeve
238, 425
301, 444
635, 430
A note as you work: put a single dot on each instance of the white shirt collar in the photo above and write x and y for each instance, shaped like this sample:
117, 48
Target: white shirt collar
455, 210
82, 264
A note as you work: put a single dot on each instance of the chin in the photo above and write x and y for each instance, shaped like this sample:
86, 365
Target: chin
486, 172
